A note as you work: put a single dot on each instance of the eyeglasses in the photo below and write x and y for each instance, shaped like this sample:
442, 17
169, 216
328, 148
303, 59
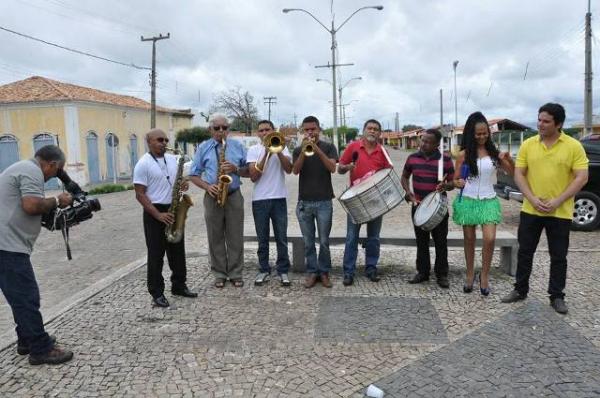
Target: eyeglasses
220, 128
161, 139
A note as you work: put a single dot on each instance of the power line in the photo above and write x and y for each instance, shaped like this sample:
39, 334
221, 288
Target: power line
74, 50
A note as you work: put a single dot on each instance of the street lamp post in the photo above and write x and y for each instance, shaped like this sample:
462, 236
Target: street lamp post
342, 87
454, 65
333, 31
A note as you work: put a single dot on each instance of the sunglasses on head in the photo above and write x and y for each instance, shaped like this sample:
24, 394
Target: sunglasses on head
161, 139
220, 128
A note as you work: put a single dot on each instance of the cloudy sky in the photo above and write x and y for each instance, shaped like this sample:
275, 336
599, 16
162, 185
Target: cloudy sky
514, 55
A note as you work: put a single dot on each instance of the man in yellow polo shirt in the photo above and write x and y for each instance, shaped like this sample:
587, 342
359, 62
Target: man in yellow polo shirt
550, 169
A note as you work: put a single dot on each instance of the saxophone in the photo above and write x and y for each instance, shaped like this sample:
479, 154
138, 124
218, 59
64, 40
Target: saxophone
223, 179
180, 203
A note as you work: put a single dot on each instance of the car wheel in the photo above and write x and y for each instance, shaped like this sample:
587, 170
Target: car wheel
586, 214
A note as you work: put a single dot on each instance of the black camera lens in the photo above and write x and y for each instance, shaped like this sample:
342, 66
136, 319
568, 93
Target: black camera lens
94, 204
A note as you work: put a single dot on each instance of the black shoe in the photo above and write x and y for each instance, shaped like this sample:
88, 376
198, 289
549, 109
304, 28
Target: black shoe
24, 349
419, 278
160, 301
559, 305
53, 357
442, 282
348, 280
513, 297
185, 292
372, 275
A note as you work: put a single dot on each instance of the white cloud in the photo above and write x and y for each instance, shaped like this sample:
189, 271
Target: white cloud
404, 53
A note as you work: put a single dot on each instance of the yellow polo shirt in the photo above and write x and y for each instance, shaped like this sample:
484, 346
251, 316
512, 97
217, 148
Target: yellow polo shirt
550, 171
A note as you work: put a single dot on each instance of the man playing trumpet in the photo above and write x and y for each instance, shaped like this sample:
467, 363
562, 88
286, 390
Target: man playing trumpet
268, 163
216, 160
315, 161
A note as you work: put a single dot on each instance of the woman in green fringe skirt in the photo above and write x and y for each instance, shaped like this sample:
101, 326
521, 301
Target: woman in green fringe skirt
477, 204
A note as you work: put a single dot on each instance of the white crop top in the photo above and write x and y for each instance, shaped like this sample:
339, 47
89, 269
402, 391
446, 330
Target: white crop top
482, 186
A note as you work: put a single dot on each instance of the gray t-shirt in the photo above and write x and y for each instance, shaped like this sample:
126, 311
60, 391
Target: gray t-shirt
19, 230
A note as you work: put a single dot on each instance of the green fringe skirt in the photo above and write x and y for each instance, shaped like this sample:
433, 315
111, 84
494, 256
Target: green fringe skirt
469, 211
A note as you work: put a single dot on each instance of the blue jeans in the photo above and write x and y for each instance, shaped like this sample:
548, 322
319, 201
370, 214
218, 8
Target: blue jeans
274, 210
371, 249
308, 212
17, 282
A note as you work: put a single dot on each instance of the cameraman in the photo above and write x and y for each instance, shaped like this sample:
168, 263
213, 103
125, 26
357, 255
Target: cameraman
22, 203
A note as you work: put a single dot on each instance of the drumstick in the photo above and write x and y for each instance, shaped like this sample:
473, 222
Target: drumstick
464, 173
387, 157
441, 167
354, 157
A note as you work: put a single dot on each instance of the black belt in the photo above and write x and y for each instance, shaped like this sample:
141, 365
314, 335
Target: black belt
161, 206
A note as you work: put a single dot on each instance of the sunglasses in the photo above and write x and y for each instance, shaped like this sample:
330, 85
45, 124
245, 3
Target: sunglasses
161, 139
220, 128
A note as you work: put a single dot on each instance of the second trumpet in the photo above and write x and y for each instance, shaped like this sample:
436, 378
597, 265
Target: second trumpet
274, 143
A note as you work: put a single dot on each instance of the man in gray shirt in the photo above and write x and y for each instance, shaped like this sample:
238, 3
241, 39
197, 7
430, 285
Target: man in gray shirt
22, 204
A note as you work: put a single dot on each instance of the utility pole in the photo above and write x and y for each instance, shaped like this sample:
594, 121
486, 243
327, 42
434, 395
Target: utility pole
269, 101
441, 108
587, 107
153, 76
333, 66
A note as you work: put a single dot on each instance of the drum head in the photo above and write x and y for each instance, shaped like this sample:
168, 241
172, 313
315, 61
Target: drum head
427, 208
366, 184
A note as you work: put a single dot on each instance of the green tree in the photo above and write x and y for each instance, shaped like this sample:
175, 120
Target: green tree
239, 106
192, 135
409, 127
343, 131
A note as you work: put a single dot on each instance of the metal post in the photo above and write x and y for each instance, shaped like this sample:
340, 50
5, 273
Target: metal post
455, 64
588, 128
333, 86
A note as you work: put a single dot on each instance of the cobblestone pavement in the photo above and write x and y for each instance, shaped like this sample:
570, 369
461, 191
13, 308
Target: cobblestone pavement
273, 341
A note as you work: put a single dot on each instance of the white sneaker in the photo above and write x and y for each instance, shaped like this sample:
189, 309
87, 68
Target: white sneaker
285, 280
261, 278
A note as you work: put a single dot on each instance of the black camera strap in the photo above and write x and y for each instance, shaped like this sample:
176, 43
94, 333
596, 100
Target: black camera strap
65, 234
64, 229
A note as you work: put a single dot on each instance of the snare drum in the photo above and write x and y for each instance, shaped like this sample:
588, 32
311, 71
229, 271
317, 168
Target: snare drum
372, 197
431, 211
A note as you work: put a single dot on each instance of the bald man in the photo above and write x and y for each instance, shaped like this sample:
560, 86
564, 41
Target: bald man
153, 179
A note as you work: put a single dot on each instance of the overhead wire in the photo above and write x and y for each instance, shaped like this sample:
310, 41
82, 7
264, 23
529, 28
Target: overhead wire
130, 65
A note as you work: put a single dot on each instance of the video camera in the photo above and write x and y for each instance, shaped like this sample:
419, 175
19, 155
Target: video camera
81, 209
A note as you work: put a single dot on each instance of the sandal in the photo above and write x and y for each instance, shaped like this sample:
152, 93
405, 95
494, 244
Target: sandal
220, 283
237, 282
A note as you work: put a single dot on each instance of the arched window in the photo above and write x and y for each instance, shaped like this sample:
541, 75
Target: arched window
112, 157
93, 160
9, 151
133, 151
40, 141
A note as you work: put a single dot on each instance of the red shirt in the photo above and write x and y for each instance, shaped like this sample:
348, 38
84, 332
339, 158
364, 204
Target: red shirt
365, 162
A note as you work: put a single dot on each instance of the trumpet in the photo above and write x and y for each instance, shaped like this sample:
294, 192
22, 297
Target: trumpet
274, 143
308, 147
